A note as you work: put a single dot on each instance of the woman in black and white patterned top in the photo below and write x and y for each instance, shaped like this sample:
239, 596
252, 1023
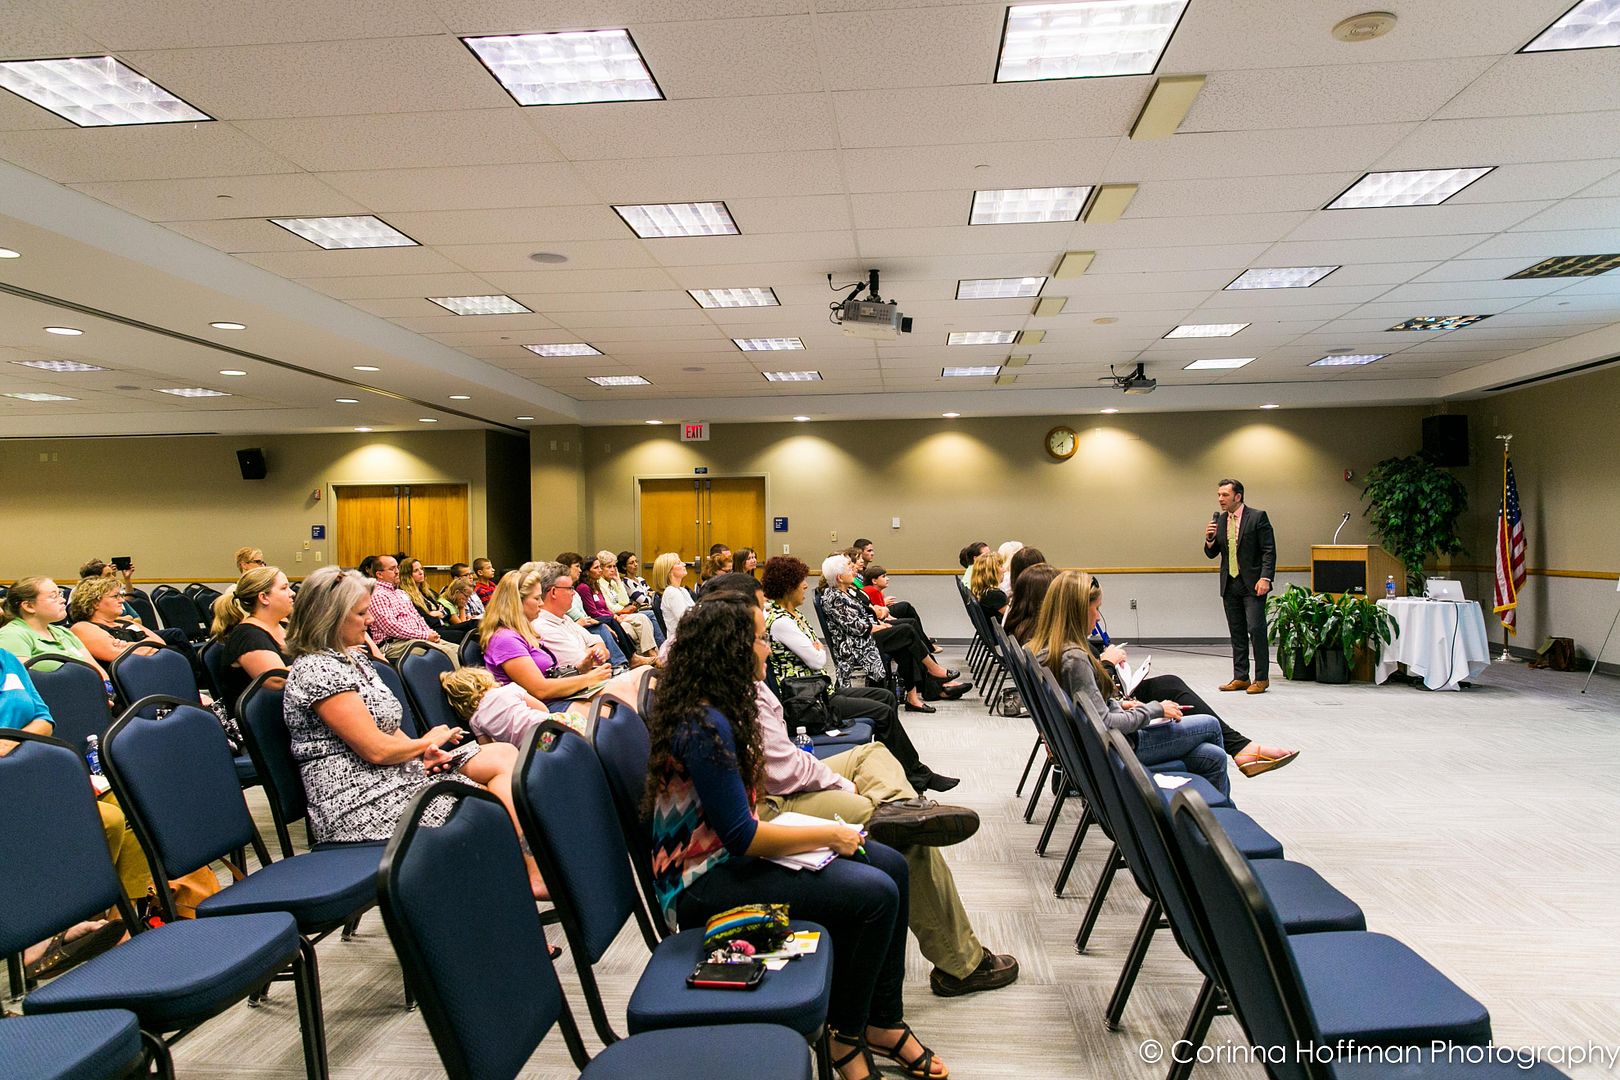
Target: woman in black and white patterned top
359, 769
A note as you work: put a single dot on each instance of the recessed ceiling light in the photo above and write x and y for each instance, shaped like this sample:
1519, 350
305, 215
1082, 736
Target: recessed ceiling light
95, 91
1590, 24
549, 257
228, 325
460, 397
801, 419
1347, 359
998, 288
63, 331
1439, 322
193, 392
950, 415
652, 220
1207, 330
1569, 266
480, 305
1085, 40
338, 233
1271, 405
347, 401
1228, 364
366, 367
792, 376
1418, 187
567, 68
728, 298
525, 418
362, 429
40, 397
63, 366
1110, 412
1016, 205
970, 372
981, 337
7, 253
653, 422
1281, 277
767, 344
426, 420
232, 371
574, 348
619, 380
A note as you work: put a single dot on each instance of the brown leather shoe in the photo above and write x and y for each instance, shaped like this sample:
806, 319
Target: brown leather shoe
1259, 686
993, 972
921, 821
1235, 684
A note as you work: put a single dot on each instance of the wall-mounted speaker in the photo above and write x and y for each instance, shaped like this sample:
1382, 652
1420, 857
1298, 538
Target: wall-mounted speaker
251, 462
1445, 439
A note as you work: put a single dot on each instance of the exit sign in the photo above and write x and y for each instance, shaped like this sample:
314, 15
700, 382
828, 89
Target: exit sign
695, 431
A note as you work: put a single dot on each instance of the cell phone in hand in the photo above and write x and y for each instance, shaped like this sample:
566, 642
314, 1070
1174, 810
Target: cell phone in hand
741, 976
123, 562
459, 756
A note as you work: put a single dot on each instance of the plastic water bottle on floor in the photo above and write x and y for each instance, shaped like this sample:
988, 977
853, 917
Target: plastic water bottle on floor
801, 739
92, 753
1389, 586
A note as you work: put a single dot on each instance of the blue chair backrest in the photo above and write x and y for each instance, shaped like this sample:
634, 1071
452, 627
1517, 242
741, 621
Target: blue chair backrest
656, 610
179, 612
75, 694
1112, 811
486, 985
212, 655
419, 669
408, 720
57, 870
142, 604
471, 652
572, 825
623, 747
269, 744
177, 782
139, 673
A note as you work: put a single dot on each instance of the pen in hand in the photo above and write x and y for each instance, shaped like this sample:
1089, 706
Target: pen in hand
860, 848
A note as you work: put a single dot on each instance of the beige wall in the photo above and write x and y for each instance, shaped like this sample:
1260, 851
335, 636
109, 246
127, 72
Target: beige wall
557, 489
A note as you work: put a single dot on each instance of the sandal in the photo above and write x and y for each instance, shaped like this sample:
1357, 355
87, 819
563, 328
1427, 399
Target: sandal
65, 952
861, 1050
1253, 764
921, 1066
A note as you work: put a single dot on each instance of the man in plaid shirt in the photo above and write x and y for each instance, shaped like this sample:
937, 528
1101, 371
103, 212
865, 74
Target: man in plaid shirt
395, 622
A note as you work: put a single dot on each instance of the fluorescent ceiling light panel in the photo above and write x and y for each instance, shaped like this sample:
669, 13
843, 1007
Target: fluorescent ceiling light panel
1418, 187
1109, 204
998, 288
480, 305
1347, 360
1570, 265
792, 376
767, 344
619, 380
1439, 322
1590, 24
1007, 206
981, 337
1086, 40
8, 253
95, 91
970, 372
1229, 364
1207, 330
575, 348
1168, 104
335, 233
40, 397
1281, 277
1074, 264
58, 365
731, 298
653, 220
567, 68
193, 392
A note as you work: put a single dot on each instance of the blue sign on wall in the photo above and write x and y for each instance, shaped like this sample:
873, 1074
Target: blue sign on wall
701, 470
779, 524
317, 532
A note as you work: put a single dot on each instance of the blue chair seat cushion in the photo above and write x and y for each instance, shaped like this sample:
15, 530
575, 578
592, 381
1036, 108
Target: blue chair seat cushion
732, 1052
1194, 783
1424, 1066
70, 1046
1374, 989
246, 774
794, 996
179, 974
1304, 901
1244, 832
321, 889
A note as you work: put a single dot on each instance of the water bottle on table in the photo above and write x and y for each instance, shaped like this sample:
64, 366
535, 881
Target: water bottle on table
1389, 587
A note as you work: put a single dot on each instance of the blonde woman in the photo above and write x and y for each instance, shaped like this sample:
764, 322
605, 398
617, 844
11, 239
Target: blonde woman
247, 624
27, 624
513, 652
247, 558
673, 598
96, 612
984, 583
616, 593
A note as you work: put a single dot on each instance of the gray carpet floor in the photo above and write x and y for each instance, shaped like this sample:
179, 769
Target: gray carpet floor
1477, 827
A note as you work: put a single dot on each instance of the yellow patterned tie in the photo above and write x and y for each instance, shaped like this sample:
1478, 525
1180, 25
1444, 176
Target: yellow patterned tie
1231, 546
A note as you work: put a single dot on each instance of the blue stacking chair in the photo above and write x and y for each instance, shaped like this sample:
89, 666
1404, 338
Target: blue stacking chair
269, 744
471, 652
75, 694
409, 723
488, 989
1362, 987
212, 655
144, 674
142, 603
420, 666
567, 814
622, 745
179, 612
891, 677
173, 978
101, 1043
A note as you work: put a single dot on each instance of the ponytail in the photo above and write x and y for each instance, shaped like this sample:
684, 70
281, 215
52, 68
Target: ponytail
237, 602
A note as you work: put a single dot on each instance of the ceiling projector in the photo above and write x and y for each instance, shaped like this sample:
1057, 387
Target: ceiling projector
1135, 382
872, 318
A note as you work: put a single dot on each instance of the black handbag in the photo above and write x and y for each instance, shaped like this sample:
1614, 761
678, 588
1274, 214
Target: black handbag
806, 703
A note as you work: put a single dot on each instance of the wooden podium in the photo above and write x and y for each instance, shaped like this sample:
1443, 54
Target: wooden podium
1340, 568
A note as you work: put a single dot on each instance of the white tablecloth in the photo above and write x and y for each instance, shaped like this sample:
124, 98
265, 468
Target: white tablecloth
1443, 641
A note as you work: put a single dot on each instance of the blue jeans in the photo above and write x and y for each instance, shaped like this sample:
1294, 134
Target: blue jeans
615, 653
1195, 740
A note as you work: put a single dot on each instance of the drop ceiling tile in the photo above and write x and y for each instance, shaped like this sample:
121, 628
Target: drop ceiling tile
732, 57
669, 300
1236, 195
144, 152
1330, 95
197, 199
689, 317
1540, 245
1605, 188
1472, 269
709, 336
402, 285
542, 228
1534, 84
575, 281
357, 262
1252, 153
940, 46
582, 255
720, 176
1380, 273
911, 209
1413, 221
1175, 232
1164, 259
1458, 294
471, 187
1506, 140
1181, 303
791, 214
537, 16
718, 250
34, 30
779, 123
985, 113
18, 114
1580, 305
1396, 311
1590, 214
182, 24
1603, 283
965, 239
1038, 163
479, 329
1389, 249
404, 140
321, 78
405, 307
240, 234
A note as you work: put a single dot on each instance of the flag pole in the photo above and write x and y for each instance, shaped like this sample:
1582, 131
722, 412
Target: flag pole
1507, 444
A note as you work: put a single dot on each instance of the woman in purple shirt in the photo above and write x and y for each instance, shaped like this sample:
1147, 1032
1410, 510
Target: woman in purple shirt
512, 650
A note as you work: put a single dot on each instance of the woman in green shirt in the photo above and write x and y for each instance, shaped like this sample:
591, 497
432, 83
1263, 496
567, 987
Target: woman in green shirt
27, 623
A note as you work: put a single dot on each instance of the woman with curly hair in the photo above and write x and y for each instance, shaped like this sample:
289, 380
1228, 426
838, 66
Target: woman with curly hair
711, 852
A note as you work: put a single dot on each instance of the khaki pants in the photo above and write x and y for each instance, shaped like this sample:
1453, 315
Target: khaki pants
937, 918
128, 858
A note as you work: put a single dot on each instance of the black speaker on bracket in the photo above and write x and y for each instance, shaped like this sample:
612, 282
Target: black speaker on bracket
1445, 439
251, 462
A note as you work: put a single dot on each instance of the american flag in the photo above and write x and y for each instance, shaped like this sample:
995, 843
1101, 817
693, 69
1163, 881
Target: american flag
1509, 549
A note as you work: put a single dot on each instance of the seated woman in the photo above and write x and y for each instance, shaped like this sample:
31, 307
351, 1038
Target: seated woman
1007, 550
862, 641
247, 558
413, 583
1022, 559
514, 654
247, 624
719, 562
1025, 607
28, 618
745, 561
711, 851
608, 632
985, 585
98, 620
359, 769
613, 591
461, 608
594, 600
1158, 730
674, 599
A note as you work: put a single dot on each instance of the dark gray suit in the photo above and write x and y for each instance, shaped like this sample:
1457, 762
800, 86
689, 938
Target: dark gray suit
1246, 612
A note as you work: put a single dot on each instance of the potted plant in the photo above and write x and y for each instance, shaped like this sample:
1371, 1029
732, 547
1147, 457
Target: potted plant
1296, 620
1414, 505
1353, 623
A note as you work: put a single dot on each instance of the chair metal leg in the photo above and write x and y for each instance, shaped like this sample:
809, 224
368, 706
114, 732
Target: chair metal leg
1028, 765
157, 1051
1074, 850
350, 927
823, 1051
1035, 796
1203, 1012
1098, 895
1051, 821
311, 1019
1133, 965
410, 998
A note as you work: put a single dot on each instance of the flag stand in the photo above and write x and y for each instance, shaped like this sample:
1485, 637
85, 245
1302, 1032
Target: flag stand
1506, 657
1599, 655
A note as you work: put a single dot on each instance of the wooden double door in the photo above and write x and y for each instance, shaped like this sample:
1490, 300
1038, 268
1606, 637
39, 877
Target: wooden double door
689, 514
427, 521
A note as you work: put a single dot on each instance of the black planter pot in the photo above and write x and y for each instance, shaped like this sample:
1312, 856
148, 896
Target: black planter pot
1331, 665
1304, 672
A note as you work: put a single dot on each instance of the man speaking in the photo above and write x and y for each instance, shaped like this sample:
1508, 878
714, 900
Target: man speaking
1241, 537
